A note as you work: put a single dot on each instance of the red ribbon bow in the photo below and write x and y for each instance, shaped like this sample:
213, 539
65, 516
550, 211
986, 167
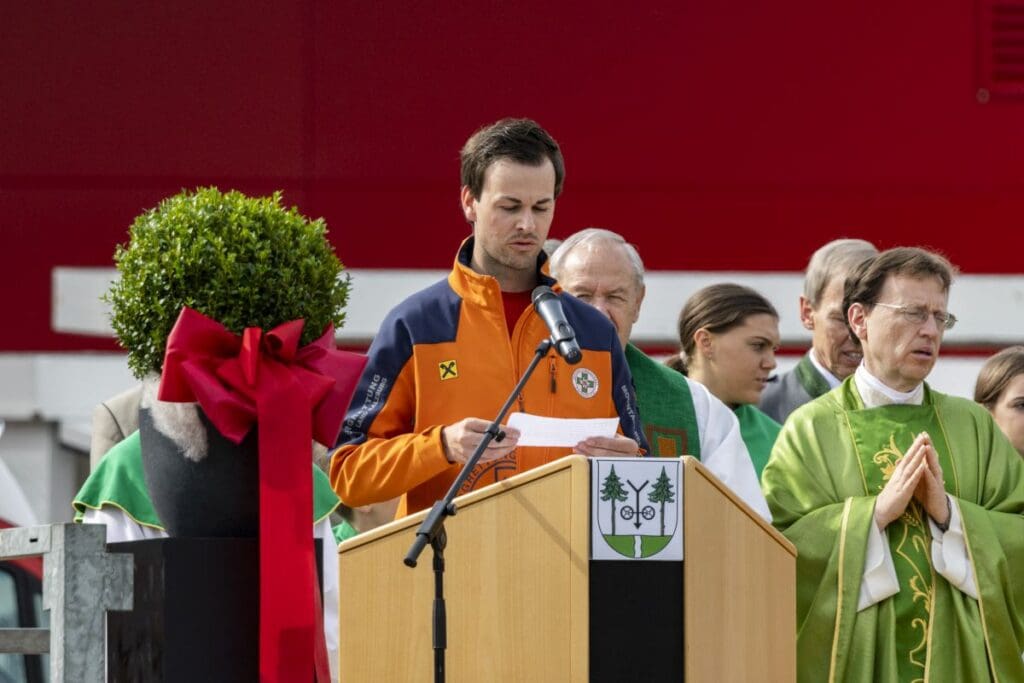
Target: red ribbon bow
293, 395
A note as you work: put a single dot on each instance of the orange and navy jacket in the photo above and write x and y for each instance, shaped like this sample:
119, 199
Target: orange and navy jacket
444, 354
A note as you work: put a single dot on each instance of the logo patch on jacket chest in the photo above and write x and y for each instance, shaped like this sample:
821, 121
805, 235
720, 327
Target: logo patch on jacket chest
585, 382
448, 369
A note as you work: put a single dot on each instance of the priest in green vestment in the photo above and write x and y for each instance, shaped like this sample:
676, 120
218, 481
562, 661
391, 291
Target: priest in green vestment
680, 416
906, 505
834, 354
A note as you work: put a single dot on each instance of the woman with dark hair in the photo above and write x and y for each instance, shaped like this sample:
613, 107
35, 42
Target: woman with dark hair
729, 334
1000, 388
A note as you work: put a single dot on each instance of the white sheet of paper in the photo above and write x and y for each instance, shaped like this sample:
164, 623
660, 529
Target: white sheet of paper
554, 431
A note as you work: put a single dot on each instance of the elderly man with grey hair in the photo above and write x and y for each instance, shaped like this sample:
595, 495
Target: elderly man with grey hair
834, 354
679, 416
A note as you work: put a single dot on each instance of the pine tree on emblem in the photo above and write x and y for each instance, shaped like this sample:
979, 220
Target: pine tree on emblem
611, 489
662, 493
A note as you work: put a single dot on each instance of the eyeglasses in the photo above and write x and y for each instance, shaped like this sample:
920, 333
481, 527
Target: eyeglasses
919, 315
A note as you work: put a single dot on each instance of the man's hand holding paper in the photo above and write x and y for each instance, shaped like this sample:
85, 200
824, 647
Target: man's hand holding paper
462, 439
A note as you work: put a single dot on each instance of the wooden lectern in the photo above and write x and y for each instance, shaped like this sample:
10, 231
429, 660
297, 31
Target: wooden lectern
525, 602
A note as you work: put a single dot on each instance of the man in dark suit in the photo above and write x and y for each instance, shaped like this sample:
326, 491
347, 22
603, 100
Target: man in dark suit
833, 355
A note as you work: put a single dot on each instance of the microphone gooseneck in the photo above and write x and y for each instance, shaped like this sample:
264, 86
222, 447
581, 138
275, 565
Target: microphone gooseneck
549, 308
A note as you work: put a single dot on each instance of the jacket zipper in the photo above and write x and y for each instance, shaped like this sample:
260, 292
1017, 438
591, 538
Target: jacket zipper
515, 341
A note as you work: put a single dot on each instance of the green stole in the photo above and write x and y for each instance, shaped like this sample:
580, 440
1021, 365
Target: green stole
666, 406
118, 482
881, 437
810, 379
759, 433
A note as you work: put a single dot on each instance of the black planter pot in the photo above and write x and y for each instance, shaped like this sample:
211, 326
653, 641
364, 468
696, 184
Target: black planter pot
215, 497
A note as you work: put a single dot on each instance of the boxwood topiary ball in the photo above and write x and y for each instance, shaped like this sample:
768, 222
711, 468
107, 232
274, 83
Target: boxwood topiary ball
243, 261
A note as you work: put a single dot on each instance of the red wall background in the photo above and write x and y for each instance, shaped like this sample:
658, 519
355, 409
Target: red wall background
732, 136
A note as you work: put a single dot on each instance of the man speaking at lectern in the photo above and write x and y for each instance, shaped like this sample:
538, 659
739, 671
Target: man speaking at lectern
446, 359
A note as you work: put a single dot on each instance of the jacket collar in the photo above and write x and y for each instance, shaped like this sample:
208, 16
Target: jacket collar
483, 290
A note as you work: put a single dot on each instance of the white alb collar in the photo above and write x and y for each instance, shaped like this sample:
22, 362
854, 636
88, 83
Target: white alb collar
876, 394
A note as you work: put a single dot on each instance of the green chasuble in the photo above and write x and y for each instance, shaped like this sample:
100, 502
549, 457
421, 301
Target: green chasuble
759, 433
118, 482
666, 406
826, 469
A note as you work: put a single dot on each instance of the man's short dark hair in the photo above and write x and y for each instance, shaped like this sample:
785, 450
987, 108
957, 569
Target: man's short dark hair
521, 140
864, 285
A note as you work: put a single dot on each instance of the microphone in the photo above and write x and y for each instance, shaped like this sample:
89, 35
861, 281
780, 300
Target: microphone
549, 308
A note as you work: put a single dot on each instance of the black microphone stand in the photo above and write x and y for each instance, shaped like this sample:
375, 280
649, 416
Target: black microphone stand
432, 529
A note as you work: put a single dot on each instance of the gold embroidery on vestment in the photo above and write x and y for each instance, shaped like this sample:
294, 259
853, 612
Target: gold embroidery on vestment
912, 542
887, 458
